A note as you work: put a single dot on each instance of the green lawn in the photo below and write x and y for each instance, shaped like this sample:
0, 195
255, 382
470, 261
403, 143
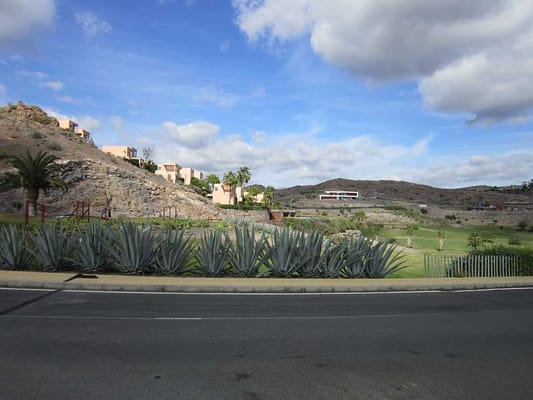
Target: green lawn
425, 241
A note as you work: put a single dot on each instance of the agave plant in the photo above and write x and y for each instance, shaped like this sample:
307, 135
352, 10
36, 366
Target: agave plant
213, 253
131, 248
358, 255
333, 260
310, 249
173, 254
284, 253
13, 253
383, 260
51, 248
90, 253
248, 253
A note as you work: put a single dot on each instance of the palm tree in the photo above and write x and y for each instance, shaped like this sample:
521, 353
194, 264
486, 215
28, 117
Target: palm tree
34, 173
268, 196
243, 176
230, 178
212, 179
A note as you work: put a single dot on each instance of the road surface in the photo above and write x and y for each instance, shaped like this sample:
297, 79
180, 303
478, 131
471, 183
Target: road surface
433, 345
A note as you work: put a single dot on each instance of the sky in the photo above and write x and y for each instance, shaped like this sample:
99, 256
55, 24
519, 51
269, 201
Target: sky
299, 91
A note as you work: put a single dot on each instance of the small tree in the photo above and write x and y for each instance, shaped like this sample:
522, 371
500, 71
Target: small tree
147, 152
268, 196
34, 173
522, 225
475, 240
409, 230
441, 235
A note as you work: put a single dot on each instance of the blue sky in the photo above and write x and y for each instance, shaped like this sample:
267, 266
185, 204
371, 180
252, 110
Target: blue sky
300, 91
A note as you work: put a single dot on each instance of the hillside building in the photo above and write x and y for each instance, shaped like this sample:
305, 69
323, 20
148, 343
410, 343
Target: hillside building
169, 171
339, 195
68, 125
126, 152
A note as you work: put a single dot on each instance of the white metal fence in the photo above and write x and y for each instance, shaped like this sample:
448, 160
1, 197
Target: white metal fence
446, 266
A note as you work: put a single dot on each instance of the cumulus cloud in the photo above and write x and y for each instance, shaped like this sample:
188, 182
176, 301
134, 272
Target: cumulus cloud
91, 24
496, 170
117, 122
214, 95
53, 85
288, 159
440, 43
89, 123
21, 19
193, 135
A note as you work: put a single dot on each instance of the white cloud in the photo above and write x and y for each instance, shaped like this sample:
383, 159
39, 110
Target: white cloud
288, 159
91, 24
53, 85
213, 95
89, 123
495, 170
441, 43
20, 19
37, 75
193, 135
117, 122
16, 58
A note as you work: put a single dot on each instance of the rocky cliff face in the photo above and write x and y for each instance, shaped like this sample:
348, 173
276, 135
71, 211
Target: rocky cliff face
91, 175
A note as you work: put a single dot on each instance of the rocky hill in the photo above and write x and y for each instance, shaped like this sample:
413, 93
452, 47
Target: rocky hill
393, 192
91, 175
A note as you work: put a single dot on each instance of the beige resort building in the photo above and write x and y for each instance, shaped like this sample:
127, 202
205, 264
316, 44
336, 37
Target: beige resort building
169, 171
127, 152
72, 126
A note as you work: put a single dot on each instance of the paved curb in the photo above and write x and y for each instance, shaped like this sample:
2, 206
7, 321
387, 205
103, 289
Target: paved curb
56, 281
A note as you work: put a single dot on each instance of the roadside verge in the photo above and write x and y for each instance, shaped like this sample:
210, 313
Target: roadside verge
66, 281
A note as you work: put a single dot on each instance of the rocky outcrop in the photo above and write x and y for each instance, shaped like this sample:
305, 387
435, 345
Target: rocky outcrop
91, 175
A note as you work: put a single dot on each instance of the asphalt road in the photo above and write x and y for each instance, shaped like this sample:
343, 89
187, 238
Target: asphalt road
444, 345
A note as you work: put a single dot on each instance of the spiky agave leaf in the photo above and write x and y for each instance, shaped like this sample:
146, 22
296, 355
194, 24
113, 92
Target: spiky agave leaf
333, 260
383, 260
174, 251
248, 253
51, 248
13, 252
310, 248
358, 254
90, 252
284, 253
131, 248
212, 254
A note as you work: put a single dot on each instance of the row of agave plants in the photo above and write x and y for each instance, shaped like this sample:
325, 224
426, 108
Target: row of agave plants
136, 249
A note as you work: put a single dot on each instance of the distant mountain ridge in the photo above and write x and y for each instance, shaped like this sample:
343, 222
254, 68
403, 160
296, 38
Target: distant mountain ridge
400, 191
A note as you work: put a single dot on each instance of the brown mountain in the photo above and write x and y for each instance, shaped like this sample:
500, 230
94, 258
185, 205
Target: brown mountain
393, 192
91, 174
